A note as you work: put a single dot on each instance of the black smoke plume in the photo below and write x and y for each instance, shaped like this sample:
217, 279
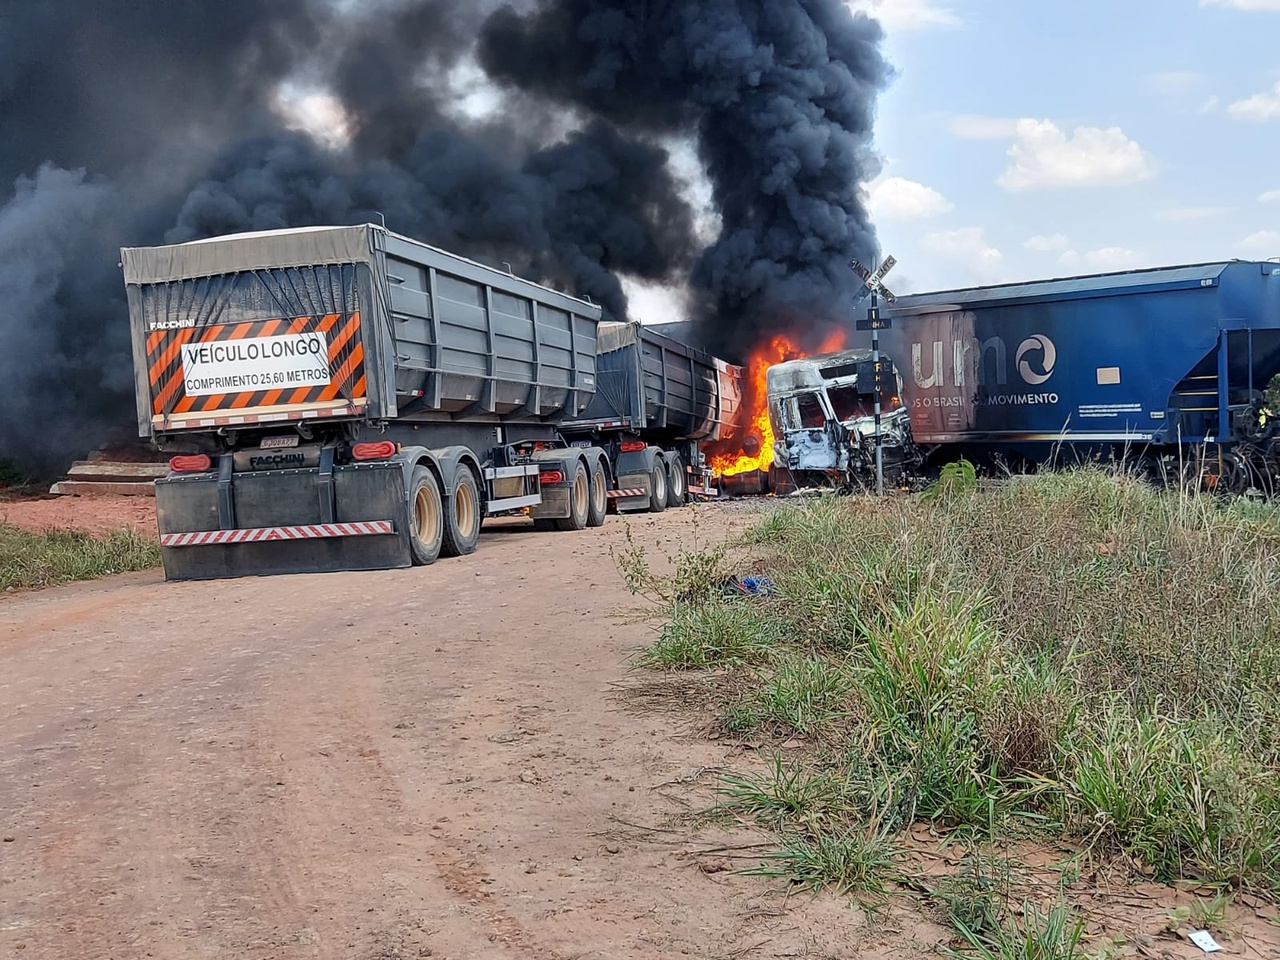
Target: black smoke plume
779, 95
140, 121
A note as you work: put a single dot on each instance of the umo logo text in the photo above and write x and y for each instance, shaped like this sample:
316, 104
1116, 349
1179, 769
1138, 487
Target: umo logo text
974, 362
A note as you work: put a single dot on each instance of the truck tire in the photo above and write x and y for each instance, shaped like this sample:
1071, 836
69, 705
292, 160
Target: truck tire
462, 521
677, 486
426, 516
658, 487
579, 501
599, 495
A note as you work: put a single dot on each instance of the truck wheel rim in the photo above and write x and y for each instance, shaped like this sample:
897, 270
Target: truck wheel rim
464, 510
424, 509
580, 495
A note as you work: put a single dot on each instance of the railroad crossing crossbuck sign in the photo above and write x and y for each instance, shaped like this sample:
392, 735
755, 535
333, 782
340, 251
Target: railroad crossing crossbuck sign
873, 283
876, 374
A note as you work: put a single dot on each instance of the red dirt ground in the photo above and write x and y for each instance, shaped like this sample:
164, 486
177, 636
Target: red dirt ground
452, 761
95, 515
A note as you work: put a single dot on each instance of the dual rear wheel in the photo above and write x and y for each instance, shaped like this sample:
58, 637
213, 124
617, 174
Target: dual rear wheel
435, 529
668, 486
588, 500
452, 528
677, 484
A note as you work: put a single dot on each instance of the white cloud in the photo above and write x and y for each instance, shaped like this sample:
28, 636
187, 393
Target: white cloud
1188, 214
970, 127
1050, 244
1259, 107
1113, 258
968, 249
1174, 83
1243, 4
1104, 258
1043, 157
894, 198
906, 14
1184, 90
1271, 196
1264, 243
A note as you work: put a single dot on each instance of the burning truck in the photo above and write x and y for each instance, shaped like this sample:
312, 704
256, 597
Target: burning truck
822, 414
809, 421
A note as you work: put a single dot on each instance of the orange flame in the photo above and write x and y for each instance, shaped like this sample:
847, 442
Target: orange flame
751, 446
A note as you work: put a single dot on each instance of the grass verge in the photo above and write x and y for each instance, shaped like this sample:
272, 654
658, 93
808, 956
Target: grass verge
1073, 656
32, 560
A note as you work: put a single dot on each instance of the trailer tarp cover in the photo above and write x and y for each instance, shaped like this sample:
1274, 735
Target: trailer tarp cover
617, 372
304, 247
614, 336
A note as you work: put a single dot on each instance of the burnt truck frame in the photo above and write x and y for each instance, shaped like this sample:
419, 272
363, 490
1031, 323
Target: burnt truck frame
346, 398
821, 410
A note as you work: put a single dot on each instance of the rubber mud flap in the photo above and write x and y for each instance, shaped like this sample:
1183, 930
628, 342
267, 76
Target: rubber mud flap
362, 493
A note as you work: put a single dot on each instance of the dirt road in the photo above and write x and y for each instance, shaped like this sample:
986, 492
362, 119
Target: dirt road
432, 762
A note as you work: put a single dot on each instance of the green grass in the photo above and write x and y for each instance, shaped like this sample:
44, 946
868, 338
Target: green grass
32, 560
1073, 655
785, 792
851, 861
976, 898
1053, 935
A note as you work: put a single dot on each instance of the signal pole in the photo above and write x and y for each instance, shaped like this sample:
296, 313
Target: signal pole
873, 314
878, 375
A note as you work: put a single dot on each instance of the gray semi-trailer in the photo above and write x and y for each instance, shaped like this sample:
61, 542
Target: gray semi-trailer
345, 398
656, 401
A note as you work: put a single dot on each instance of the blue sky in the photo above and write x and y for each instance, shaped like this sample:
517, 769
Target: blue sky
1026, 140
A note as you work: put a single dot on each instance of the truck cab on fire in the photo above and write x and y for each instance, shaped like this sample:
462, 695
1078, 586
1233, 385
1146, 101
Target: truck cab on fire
822, 411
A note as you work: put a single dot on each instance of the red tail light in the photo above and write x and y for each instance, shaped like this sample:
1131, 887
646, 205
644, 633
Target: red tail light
380, 450
633, 446
196, 463
552, 476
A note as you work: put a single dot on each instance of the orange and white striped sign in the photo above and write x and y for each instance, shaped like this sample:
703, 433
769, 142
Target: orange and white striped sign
268, 366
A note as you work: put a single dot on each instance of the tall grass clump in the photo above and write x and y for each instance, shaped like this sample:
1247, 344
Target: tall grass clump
1075, 653
29, 560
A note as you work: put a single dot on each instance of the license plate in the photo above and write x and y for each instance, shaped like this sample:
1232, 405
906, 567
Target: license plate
280, 443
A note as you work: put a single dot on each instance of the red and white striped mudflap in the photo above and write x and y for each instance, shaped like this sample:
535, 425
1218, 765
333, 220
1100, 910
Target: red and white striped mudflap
623, 494
317, 531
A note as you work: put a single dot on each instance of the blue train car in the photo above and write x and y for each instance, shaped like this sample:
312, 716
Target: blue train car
1148, 362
